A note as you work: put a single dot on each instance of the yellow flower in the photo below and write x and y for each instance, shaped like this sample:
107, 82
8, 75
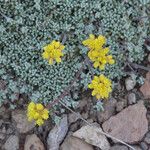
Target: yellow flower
94, 43
39, 122
97, 53
53, 51
100, 58
110, 59
101, 86
37, 112
39, 107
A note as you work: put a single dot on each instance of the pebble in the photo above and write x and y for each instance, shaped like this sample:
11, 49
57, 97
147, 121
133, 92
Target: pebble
147, 140
32, 142
148, 135
144, 146
130, 83
2, 136
85, 115
12, 143
21, 122
119, 106
72, 143
130, 125
57, 134
93, 136
131, 98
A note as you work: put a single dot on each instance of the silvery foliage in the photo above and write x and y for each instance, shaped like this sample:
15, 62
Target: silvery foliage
27, 26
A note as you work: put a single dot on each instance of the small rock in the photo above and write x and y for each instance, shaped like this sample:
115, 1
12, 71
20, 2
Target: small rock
119, 106
148, 134
130, 125
32, 142
144, 146
93, 136
2, 136
57, 134
3, 129
145, 88
131, 98
72, 118
119, 147
147, 140
130, 83
12, 143
19, 117
85, 115
109, 110
73, 143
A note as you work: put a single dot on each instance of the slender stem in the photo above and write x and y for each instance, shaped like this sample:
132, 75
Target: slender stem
137, 66
141, 17
87, 61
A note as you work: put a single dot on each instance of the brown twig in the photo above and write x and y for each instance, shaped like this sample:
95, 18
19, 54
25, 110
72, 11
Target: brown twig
131, 67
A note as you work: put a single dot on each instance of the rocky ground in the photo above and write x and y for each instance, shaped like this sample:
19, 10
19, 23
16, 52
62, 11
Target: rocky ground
126, 116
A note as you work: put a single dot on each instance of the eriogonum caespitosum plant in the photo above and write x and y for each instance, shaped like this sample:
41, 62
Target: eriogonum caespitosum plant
27, 26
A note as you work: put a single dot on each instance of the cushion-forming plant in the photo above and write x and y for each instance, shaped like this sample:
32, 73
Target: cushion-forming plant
27, 26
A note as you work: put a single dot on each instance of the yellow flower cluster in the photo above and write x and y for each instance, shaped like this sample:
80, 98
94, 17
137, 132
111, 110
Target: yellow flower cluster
101, 86
53, 51
97, 53
37, 112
